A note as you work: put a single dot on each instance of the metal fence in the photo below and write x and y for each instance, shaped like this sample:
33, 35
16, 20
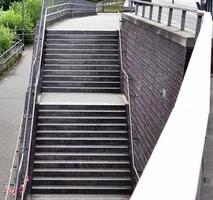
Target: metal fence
10, 54
170, 8
52, 10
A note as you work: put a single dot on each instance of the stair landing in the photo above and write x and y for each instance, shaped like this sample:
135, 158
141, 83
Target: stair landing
102, 22
82, 99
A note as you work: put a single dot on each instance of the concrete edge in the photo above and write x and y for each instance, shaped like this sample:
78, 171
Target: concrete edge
183, 38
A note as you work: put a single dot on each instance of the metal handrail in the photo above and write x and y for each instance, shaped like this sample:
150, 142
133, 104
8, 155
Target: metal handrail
31, 95
129, 107
171, 8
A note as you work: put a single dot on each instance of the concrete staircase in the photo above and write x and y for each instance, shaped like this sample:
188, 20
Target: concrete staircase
81, 150
81, 61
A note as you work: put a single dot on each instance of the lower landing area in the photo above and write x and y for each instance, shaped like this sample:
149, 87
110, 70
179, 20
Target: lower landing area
78, 197
81, 148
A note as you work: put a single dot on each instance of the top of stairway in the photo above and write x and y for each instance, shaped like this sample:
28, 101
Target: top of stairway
99, 22
82, 99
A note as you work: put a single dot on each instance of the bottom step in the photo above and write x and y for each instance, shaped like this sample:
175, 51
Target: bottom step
63, 189
77, 197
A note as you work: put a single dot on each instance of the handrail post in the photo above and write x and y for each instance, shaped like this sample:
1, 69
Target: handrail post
199, 21
159, 14
170, 17
150, 12
136, 9
183, 20
143, 10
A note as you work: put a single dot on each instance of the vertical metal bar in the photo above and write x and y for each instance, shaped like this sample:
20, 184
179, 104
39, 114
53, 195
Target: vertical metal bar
150, 12
131, 6
199, 21
23, 21
159, 14
136, 9
143, 10
183, 20
170, 17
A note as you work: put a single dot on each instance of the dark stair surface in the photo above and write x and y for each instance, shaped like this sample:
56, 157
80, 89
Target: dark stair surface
81, 61
82, 150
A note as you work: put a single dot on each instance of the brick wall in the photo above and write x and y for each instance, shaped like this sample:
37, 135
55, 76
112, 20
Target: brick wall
155, 65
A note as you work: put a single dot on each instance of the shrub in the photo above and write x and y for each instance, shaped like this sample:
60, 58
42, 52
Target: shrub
13, 20
6, 39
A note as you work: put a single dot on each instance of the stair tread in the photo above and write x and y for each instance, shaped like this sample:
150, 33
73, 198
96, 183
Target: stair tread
81, 131
81, 76
80, 187
81, 124
79, 54
82, 146
82, 154
78, 170
82, 178
83, 161
79, 117
82, 138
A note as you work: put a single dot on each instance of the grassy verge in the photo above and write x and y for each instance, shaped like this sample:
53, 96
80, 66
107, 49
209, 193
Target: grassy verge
116, 6
9, 66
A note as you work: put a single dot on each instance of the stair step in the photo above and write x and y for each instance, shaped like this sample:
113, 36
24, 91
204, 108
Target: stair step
86, 133
81, 51
56, 119
82, 113
82, 61
81, 32
81, 56
80, 78
82, 36
81, 126
82, 107
81, 89
82, 148
79, 172
82, 72
82, 164
82, 46
82, 181
80, 84
81, 41
81, 189
80, 67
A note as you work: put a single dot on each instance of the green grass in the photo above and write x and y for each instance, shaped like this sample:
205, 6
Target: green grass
114, 8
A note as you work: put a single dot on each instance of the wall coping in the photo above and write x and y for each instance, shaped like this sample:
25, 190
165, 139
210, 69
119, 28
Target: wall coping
173, 170
183, 38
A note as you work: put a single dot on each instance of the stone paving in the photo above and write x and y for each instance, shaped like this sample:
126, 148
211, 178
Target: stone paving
12, 95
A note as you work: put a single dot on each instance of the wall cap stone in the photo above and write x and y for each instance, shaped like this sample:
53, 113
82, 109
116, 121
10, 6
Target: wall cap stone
183, 38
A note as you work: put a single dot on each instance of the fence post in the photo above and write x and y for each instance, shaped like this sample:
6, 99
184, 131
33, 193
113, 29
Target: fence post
159, 14
143, 10
136, 9
183, 20
199, 21
150, 12
170, 17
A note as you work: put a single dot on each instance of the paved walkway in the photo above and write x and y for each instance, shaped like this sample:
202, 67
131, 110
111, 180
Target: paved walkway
99, 22
12, 95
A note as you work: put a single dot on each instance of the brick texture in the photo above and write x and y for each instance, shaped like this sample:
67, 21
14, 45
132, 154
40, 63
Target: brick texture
156, 67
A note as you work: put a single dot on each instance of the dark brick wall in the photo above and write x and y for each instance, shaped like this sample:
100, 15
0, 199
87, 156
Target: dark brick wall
155, 65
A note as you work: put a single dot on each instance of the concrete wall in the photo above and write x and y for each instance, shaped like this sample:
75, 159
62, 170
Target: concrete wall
155, 58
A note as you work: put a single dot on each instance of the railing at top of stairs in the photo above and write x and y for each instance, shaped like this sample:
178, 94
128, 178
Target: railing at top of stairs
51, 10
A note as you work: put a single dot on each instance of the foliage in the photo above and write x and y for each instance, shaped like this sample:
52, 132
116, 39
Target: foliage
13, 20
6, 39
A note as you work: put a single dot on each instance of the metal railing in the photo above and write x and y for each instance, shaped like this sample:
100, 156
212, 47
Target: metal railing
10, 53
19, 170
101, 5
126, 88
171, 8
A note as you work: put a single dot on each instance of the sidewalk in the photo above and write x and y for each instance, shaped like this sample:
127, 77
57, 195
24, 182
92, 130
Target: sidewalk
12, 95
